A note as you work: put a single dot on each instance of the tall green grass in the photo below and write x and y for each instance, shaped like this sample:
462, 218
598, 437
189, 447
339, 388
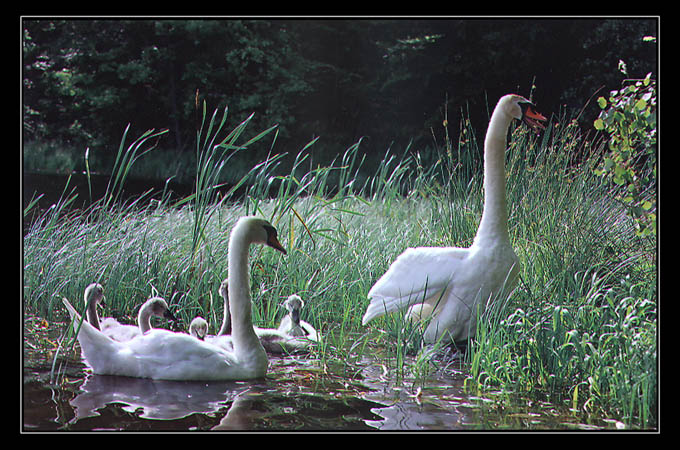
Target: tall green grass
581, 324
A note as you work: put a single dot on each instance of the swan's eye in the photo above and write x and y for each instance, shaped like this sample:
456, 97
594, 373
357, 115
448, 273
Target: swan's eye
271, 231
272, 239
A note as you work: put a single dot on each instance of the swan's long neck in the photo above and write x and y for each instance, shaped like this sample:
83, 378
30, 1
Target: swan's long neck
295, 316
91, 312
226, 319
494, 223
144, 318
240, 303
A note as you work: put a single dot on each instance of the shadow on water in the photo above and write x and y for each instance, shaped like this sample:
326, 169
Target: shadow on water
298, 393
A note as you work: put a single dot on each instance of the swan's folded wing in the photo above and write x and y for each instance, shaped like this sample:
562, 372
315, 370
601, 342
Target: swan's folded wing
117, 331
416, 275
165, 355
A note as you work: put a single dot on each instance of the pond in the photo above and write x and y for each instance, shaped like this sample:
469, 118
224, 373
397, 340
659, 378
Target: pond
299, 393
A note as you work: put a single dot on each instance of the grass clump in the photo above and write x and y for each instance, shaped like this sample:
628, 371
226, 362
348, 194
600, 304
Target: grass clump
581, 324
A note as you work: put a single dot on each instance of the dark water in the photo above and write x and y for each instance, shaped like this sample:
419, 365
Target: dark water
93, 402
298, 393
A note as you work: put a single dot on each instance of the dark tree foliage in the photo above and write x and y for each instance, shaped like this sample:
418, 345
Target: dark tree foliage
384, 80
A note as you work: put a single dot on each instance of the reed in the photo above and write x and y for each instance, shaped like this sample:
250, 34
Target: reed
563, 331
581, 324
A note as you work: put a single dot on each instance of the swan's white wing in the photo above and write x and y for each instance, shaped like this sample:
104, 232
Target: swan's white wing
310, 331
416, 275
117, 331
224, 341
163, 354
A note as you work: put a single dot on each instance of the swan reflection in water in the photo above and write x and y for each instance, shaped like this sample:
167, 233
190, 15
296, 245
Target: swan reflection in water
232, 405
154, 399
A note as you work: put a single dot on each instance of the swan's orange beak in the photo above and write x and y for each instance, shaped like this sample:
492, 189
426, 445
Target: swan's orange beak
532, 117
273, 242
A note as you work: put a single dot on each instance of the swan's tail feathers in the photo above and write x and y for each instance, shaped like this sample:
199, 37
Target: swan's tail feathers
386, 298
377, 308
383, 305
92, 341
71, 310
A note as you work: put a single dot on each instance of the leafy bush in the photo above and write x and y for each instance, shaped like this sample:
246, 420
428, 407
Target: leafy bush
629, 116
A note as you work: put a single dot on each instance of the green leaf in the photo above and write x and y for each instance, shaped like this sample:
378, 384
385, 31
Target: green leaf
602, 102
640, 105
599, 124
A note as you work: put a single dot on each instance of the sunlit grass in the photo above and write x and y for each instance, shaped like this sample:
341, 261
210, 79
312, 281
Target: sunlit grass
581, 324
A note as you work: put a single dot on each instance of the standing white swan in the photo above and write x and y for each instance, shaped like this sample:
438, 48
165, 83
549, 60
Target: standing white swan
162, 354
226, 320
447, 287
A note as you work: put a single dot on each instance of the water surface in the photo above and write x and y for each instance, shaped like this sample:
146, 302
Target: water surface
298, 393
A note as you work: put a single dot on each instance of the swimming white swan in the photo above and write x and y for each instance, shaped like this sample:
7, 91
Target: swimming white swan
272, 339
155, 306
162, 354
446, 286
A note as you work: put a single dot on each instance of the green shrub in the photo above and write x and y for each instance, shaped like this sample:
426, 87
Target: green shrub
629, 116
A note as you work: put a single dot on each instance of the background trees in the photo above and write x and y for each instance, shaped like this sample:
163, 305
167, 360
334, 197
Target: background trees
385, 80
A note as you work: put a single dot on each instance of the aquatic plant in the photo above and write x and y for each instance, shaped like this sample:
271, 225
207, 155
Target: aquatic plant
581, 325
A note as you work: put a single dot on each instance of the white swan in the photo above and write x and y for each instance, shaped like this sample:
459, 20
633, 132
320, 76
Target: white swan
155, 306
446, 287
274, 340
162, 354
